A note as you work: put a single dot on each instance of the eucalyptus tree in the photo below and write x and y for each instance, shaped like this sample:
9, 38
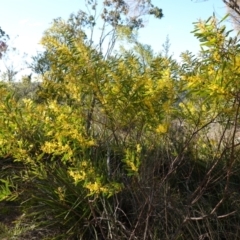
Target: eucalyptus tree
233, 8
102, 25
3, 39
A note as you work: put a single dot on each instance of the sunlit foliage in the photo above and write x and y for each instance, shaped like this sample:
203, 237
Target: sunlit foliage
126, 146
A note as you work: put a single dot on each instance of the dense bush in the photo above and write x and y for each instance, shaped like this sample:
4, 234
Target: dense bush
117, 148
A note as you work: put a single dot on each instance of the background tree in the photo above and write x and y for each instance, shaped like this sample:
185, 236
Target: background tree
115, 16
233, 7
13, 64
3, 39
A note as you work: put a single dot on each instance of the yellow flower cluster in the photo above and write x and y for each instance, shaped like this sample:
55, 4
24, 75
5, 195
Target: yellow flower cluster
28, 103
132, 160
91, 180
194, 81
96, 188
83, 172
57, 148
162, 128
216, 89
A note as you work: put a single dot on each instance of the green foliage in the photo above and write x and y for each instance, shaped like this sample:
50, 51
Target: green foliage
124, 147
4, 190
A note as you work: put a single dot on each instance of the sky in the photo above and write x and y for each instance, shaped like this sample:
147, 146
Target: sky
26, 20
